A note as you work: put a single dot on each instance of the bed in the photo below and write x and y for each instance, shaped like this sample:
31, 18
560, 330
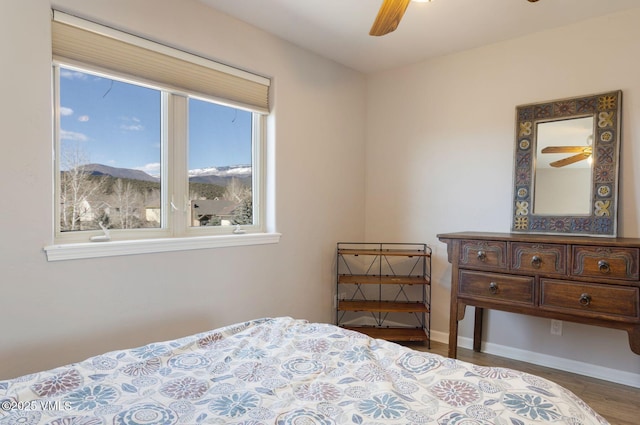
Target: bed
287, 372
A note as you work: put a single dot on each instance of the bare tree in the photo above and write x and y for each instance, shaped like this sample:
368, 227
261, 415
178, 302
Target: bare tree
128, 203
240, 194
78, 190
236, 191
152, 199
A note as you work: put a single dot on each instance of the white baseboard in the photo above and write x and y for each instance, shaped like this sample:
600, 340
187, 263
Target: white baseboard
568, 365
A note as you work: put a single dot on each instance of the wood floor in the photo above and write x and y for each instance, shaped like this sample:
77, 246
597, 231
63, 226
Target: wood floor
619, 404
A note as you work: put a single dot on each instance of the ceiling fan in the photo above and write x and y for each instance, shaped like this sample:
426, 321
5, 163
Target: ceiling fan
391, 13
581, 153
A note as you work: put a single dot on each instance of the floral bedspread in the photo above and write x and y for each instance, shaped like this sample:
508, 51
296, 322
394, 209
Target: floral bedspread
285, 372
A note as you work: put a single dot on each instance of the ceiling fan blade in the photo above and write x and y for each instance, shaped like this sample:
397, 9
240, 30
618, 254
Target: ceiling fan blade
564, 149
571, 159
389, 16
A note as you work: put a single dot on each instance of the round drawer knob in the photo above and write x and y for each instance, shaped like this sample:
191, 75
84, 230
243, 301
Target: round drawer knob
585, 299
493, 288
604, 266
482, 256
536, 261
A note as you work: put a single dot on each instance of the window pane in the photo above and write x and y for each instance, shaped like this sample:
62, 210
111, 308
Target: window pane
220, 165
109, 153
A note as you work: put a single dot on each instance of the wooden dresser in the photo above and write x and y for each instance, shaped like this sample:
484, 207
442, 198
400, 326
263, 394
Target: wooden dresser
588, 280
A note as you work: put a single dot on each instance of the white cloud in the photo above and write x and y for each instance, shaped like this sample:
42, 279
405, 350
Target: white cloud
72, 75
152, 169
72, 135
83, 118
131, 124
132, 127
65, 112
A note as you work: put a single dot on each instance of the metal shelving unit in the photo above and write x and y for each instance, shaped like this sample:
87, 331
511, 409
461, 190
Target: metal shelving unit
384, 289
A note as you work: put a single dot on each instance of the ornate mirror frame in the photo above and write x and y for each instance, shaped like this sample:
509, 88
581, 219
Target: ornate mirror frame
606, 109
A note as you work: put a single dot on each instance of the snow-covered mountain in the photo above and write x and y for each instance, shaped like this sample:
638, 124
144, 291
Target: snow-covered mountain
227, 171
212, 175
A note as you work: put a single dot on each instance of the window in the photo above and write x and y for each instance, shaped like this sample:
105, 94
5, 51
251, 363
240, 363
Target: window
109, 153
220, 165
151, 142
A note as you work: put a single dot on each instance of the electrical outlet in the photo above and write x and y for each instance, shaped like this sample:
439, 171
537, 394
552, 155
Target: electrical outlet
556, 327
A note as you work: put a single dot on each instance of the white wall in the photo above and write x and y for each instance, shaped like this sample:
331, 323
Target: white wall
449, 123
56, 313
562, 191
440, 143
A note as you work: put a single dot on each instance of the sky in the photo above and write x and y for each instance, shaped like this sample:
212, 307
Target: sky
119, 125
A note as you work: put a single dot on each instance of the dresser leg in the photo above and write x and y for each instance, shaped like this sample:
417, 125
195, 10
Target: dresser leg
477, 329
453, 330
634, 339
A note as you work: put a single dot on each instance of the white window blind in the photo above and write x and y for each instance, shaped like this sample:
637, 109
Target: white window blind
78, 40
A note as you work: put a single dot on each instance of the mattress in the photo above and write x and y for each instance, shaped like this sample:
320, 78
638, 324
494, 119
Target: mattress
287, 372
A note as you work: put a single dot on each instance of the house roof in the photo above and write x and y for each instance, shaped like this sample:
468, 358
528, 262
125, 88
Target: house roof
218, 207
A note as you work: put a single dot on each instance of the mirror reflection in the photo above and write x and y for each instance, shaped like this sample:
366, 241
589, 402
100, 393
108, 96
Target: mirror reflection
563, 163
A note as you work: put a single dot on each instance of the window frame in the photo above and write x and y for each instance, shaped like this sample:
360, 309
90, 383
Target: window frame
176, 232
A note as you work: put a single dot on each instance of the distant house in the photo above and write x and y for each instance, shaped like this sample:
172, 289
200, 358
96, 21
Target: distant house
88, 214
152, 213
208, 212
85, 212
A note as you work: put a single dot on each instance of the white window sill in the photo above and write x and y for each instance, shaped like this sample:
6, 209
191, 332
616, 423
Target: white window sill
146, 246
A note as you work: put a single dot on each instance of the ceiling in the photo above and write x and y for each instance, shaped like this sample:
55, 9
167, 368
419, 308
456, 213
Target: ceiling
339, 29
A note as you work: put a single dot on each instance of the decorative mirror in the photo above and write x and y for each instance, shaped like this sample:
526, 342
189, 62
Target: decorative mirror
566, 166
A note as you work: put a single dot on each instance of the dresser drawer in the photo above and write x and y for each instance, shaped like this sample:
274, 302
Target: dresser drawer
614, 263
539, 258
496, 287
483, 254
590, 299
